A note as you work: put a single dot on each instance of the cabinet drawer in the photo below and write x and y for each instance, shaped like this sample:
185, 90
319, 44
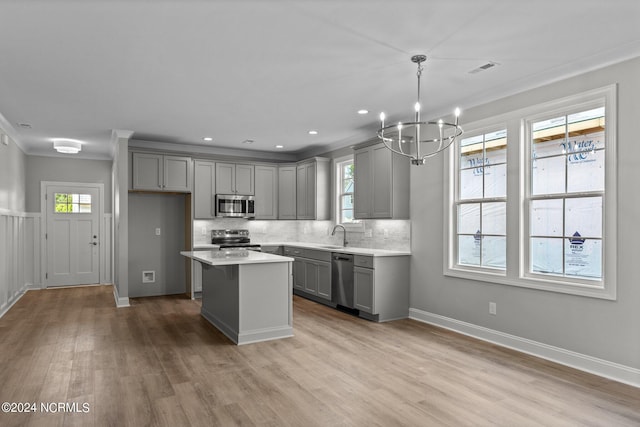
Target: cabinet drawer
317, 255
363, 261
294, 252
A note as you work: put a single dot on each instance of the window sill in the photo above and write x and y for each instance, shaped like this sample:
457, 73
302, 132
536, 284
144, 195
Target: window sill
542, 284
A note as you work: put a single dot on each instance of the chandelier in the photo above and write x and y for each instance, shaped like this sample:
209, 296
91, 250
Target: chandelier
419, 139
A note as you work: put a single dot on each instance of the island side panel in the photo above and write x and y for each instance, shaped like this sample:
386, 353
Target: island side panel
265, 301
220, 304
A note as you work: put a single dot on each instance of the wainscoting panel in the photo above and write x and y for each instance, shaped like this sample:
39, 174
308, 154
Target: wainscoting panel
19, 256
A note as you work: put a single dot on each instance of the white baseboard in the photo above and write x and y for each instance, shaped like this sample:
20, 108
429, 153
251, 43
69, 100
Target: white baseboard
121, 302
7, 306
593, 365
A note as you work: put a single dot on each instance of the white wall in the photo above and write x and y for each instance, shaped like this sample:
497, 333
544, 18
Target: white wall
65, 169
18, 255
594, 328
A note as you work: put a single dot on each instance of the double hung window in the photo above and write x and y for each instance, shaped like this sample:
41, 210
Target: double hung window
547, 221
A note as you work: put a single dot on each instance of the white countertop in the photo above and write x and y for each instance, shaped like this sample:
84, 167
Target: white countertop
318, 246
222, 257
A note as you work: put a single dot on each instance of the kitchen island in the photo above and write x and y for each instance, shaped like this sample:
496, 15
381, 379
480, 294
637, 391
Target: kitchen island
247, 295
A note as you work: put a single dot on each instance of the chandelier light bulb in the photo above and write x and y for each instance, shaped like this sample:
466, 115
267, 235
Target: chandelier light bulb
440, 123
417, 107
456, 112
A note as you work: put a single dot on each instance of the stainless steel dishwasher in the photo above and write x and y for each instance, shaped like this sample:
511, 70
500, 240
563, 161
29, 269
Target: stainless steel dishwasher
342, 279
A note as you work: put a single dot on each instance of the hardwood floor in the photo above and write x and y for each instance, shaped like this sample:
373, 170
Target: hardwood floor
160, 363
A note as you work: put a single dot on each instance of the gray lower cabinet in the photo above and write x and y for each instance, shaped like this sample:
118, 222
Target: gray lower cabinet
157, 172
381, 287
311, 271
364, 289
204, 185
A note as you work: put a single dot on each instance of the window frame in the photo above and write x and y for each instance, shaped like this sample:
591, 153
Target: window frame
339, 163
518, 124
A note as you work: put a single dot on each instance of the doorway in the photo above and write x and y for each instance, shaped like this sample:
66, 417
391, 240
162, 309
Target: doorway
73, 213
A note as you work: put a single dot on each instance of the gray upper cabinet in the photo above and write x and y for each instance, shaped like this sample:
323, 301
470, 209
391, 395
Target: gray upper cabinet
156, 172
287, 192
203, 189
382, 183
312, 189
234, 179
266, 192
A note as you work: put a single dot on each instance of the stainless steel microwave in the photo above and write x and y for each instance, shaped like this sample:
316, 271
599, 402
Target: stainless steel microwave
235, 206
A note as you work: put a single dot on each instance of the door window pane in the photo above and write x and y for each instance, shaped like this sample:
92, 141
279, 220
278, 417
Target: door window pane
72, 203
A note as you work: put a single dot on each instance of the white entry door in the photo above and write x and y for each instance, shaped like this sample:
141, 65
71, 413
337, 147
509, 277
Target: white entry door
72, 235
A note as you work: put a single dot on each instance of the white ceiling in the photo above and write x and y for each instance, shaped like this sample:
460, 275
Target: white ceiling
177, 71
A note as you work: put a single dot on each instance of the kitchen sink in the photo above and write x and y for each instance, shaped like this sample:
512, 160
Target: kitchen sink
331, 246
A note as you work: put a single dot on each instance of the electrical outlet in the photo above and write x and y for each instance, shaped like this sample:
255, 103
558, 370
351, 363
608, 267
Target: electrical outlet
385, 233
492, 308
204, 231
368, 233
157, 231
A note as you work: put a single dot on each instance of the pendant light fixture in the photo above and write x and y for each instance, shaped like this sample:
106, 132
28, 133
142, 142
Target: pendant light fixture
419, 140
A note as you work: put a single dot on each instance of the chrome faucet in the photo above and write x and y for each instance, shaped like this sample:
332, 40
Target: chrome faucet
344, 230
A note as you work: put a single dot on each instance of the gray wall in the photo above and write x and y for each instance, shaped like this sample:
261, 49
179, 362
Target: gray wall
65, 169
12, 177
599, 328
147, 251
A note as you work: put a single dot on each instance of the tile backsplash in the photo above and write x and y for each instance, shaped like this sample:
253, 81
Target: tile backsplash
377, 234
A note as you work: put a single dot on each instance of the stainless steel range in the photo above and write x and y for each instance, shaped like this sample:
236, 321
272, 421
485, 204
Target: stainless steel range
233, 240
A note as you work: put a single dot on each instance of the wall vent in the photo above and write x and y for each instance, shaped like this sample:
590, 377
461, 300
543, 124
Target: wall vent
484, 67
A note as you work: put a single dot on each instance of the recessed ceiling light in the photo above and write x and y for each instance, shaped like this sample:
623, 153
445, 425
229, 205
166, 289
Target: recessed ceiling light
363, 112
248, 141
313, 132
279, 146
207, 138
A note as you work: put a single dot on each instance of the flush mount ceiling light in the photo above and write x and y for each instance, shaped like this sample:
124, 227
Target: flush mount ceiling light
362, 112
419, 140
279, 146
313, 132
207, 138
248, 141
67, 146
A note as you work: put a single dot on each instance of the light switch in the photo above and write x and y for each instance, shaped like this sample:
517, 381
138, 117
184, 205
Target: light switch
157, 231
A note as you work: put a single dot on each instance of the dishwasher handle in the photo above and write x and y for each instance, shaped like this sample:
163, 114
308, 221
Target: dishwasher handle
342, 258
